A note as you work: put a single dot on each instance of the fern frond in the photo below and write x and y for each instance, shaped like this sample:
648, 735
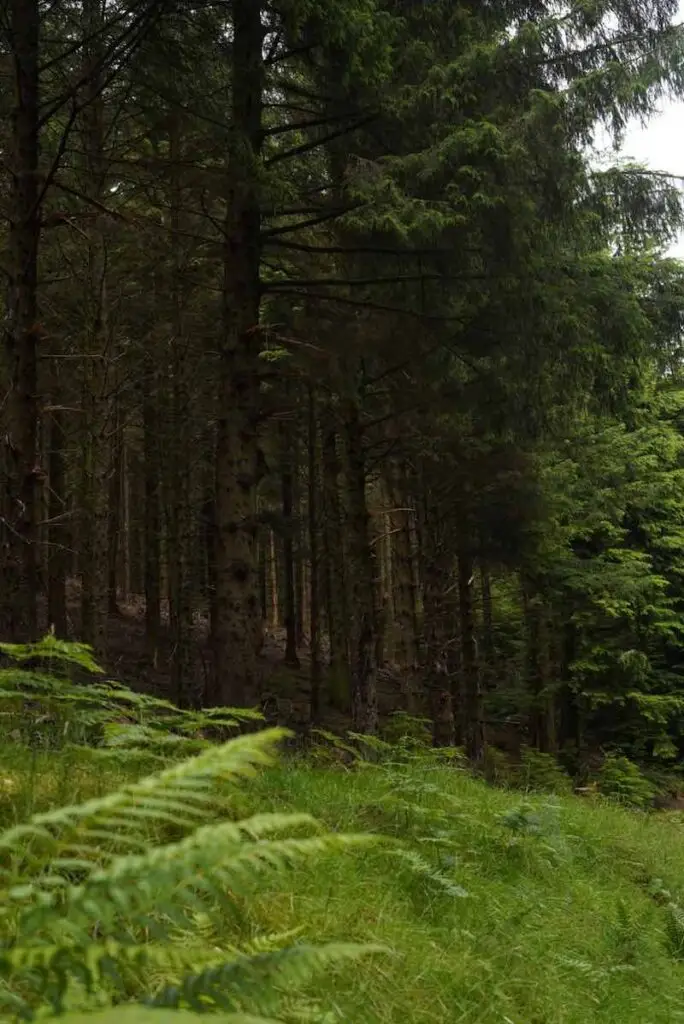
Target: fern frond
203, 869
52, 649
93, 911
435, 878
184, 793
226, 986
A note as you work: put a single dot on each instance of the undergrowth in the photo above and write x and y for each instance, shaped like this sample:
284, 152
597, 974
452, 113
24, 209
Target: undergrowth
179, 892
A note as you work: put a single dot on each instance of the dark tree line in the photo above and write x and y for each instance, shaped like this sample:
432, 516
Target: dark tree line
323, 318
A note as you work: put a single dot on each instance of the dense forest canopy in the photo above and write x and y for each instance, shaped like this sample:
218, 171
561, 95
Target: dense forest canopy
324, 323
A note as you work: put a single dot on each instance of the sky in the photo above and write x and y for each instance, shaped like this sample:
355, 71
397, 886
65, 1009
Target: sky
660, 145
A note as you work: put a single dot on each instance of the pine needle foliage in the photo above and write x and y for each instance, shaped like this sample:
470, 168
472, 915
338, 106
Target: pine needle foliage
99, 906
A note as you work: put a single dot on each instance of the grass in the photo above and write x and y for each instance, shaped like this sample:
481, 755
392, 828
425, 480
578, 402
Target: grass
539, 910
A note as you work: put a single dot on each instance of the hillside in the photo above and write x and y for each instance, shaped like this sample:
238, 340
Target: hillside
535, 910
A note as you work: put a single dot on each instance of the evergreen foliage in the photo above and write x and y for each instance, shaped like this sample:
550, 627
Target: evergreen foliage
334, 318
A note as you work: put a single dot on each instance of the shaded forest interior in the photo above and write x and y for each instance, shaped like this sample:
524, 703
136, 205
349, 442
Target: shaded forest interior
339, 373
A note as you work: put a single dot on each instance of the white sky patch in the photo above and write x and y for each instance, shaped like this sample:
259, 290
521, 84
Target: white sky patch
660, 145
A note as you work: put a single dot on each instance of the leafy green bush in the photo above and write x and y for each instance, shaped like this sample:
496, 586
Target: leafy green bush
100, 908
407, 730
541, 773
621, 780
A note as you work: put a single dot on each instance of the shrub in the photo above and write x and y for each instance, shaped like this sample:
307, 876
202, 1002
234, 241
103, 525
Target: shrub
621, 780
408, 730
541, 773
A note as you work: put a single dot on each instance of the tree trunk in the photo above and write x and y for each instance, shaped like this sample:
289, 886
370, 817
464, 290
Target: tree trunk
473, 724
177, 472
58, 531
96, 384
114, 517
314, 549
405, 646
211, 689
287, 454
336, 580
152, 513
363, 667
237, 638
487, 629
273, 589
436, 634
18, 510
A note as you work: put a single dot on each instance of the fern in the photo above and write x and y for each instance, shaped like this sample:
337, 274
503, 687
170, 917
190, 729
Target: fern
46, 705
93, 902
434, 879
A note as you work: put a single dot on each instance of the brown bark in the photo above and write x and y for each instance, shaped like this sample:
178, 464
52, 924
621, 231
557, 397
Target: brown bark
335, 578
473, 724
58, 530
436, 667
18, 505
288, 443
273, 589
262, 548
209, 522
95, 466
316, 668
363, 627
177, 471
152, 523
115, 518
405, 625
237, 639
487, 621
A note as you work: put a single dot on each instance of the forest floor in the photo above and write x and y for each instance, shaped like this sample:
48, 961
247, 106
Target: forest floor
555, 910
282, 684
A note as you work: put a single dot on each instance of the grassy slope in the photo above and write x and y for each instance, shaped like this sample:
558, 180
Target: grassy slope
559, 924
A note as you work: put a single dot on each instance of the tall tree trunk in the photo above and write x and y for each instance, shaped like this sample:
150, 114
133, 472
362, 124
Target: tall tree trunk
96, 383
152, 523
405, 626
314, 551
58, 531
262, 547
211, 688
336, 579
436, 667
237, 638
473, 723
115, 515
177, 472
288, 443
300, 567
363, 668
18, 510
487, 627
273, 589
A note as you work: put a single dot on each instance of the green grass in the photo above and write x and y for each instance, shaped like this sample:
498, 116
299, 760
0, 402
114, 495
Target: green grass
538, 910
